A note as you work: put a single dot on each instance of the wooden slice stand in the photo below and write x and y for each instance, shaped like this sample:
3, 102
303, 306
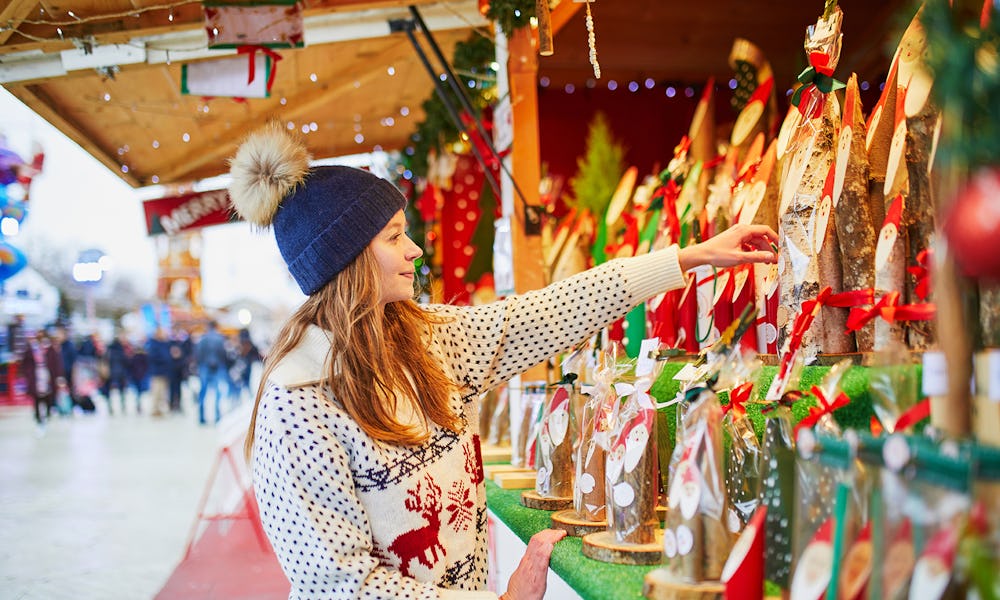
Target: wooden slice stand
532, 499
575, 525
660, 584
603, 546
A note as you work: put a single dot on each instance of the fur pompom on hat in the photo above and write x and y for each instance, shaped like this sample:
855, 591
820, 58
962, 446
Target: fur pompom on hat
322, 217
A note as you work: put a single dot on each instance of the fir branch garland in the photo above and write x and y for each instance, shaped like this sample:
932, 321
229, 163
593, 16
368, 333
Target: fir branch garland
966, 66
511, 14
471, 62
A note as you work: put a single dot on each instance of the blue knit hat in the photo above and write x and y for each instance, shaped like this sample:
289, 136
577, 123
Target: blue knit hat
322, 217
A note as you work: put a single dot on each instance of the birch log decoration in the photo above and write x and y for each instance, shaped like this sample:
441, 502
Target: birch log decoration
545, 47
855, 227
801, 194
701, 133
878, 138
922, 126
834, 335
890, 252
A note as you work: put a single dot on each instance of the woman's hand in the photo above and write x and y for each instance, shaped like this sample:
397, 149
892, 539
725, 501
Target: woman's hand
735, 246
528, 580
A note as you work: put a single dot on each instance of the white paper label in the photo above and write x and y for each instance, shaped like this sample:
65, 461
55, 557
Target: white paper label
870, 134
812, 574
559, 423
614, 462
886, 240
669, 543
739, 552
896, 152
752, 201
796, 169
843, 155
930, 578
746, 121
685, 540
935, 374
623, 494
993, 362
822, 221
688, 373
635, 446
585, 483
733, 520
647, 359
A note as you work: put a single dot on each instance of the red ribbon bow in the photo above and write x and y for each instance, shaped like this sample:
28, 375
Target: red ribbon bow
824, 408
251, 52
922, 273
670, 192
811, 308
738, 398
888, 308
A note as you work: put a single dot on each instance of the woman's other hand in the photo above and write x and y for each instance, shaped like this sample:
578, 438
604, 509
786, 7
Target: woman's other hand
737, 245
528, 580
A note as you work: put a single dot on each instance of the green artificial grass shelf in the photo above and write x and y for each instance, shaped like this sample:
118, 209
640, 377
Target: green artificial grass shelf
592, 579
596, 580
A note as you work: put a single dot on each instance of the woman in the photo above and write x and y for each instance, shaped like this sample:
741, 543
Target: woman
363, 442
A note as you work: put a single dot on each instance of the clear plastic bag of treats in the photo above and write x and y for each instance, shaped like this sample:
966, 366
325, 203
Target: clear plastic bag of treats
631, 465
558, 432
743, 457
525, 417
919, 510
777, 488
596, 424
696, 540
832, 539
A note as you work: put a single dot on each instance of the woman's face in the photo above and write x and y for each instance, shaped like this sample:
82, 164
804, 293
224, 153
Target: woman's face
395, 253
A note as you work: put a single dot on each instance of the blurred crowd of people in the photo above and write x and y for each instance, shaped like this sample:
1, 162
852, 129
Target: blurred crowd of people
64, 373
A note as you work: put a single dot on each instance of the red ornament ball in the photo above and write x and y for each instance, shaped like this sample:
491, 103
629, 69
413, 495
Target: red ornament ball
972, 226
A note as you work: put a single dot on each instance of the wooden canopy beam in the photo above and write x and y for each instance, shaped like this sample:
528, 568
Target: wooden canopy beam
303, 103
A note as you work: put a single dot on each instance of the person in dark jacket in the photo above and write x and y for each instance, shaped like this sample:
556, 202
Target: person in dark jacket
160, 366
117, 356
42, 368
211, 358
180, 367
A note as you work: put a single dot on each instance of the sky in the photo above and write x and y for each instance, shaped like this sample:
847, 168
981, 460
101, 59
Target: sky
76, 203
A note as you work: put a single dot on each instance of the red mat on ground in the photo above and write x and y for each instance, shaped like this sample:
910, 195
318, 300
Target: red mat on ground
227, 563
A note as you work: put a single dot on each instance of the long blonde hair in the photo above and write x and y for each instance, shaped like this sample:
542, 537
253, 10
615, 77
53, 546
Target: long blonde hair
377, 355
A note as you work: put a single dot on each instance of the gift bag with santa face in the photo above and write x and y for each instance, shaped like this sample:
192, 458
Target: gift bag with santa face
631, 468
832, 536
980, 547
696, 541
743, 456
596, 423
554, 459
923, 506
525, 419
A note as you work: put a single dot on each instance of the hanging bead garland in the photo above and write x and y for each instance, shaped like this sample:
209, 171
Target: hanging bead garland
592, 42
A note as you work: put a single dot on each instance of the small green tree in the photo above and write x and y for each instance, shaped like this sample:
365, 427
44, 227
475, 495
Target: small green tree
596, 179
599, 170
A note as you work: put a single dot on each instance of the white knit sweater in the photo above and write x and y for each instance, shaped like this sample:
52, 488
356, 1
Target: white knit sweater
352, 517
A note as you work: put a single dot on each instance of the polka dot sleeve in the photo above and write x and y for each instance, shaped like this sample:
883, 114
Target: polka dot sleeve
319, 529
487, 345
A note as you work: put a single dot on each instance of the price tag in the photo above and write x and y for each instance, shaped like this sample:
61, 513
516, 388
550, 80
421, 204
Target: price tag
647, 356
935, 374
993, 379
688, 373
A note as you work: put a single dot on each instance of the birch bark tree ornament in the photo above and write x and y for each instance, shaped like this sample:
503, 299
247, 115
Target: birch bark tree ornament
754, 95
811, 153
855, 228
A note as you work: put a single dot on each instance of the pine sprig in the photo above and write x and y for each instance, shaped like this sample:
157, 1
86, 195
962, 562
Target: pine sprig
965, 61
511, 14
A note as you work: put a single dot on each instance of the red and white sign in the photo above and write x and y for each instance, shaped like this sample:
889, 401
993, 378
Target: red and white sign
174, 214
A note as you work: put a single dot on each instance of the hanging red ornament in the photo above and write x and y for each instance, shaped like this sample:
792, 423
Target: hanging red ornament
972, 226
484, 6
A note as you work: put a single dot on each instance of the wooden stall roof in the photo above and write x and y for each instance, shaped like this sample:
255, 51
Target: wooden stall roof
134, 119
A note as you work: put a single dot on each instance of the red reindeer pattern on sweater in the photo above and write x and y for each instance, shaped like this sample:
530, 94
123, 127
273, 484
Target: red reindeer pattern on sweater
423, 543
